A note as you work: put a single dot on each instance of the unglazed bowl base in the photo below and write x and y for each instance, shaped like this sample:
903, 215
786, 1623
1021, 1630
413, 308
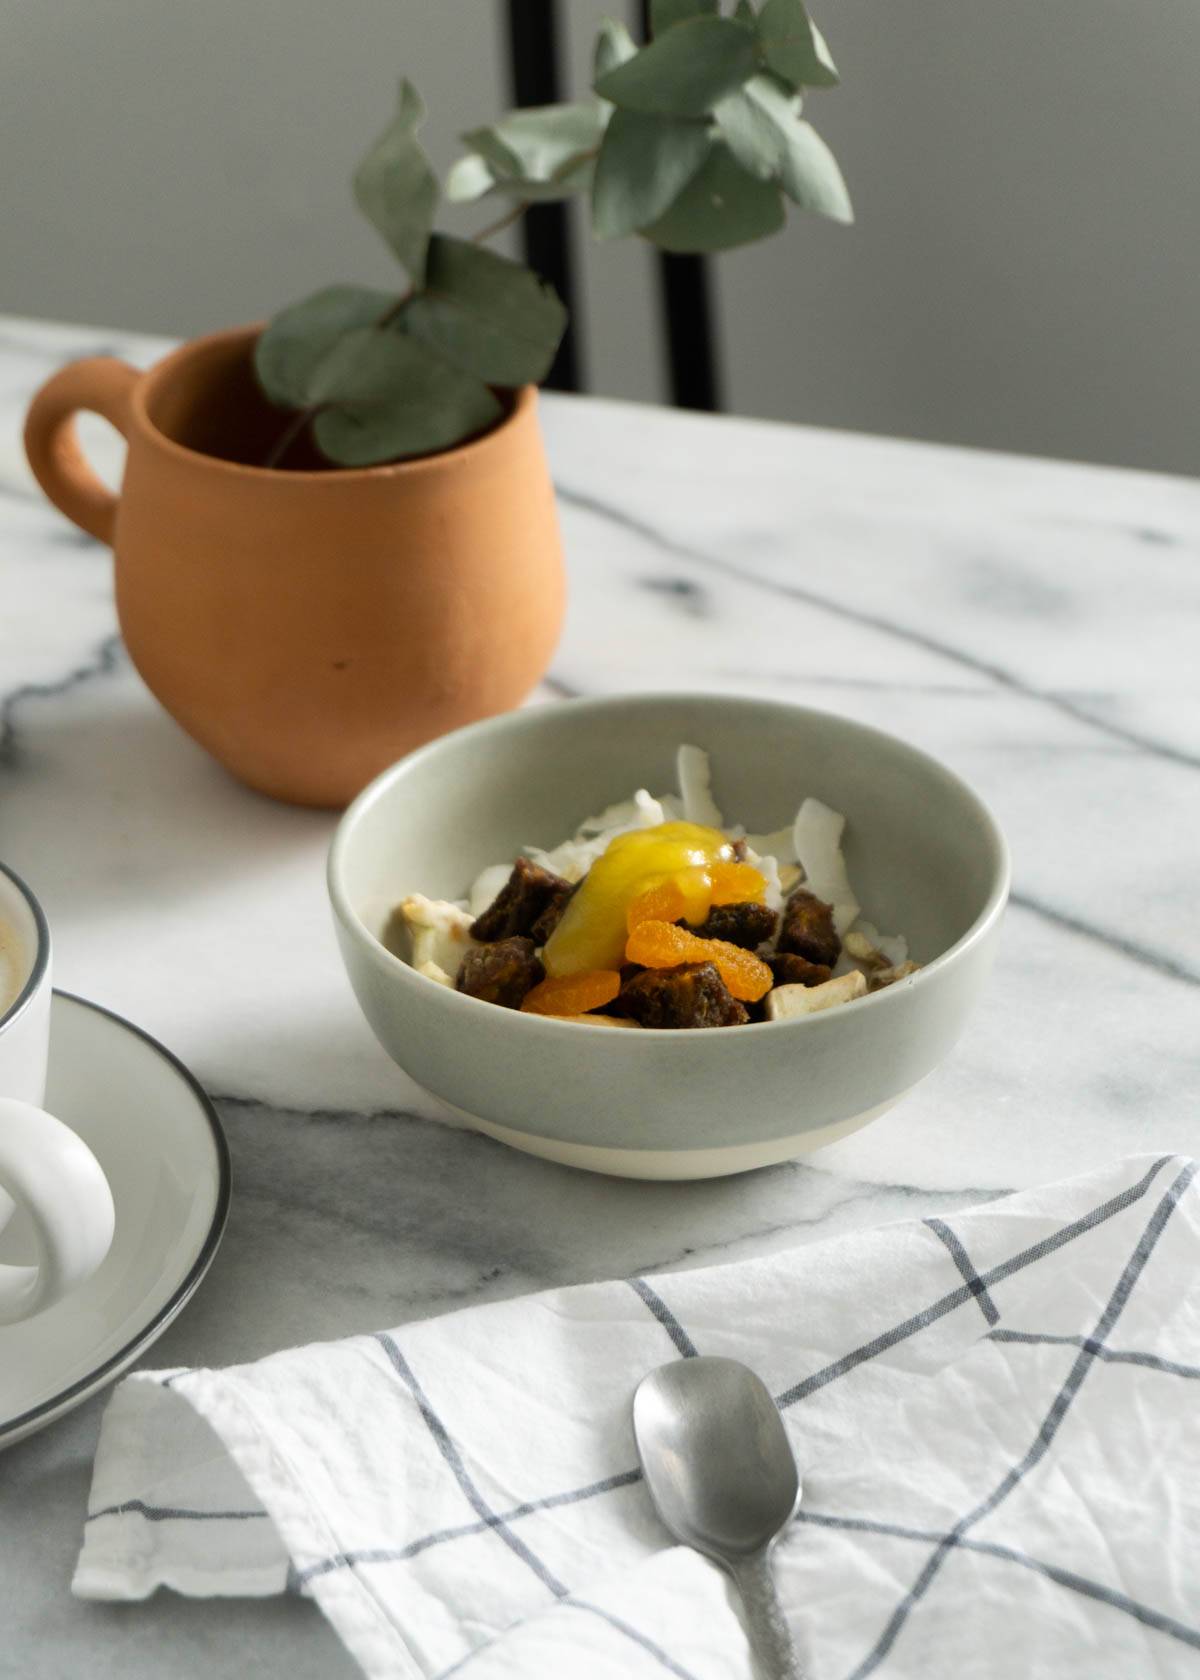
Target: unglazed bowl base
669, 1164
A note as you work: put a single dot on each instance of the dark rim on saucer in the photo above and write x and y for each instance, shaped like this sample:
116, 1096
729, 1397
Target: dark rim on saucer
95, 1379
41, 956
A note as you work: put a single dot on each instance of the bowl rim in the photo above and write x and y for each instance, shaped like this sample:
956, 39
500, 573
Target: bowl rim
526, 717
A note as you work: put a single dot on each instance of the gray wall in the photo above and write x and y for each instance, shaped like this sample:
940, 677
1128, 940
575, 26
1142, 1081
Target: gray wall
1021, 275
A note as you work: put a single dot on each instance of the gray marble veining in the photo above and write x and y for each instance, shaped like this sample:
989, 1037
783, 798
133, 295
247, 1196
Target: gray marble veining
1032, 623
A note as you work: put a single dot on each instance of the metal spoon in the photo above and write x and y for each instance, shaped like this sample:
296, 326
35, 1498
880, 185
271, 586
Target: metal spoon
722, 1477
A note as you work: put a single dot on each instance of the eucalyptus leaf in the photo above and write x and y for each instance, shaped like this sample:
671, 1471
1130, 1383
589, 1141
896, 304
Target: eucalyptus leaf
664, 13
767, 135
686, 71
752, 123
720, 207
644, 164
614, 44
470, 178
293, 350
810, 175
397, 397
793, 46
824, 72
500, 159
545, 148
473, 178
575, 179
486, 314
396, 188
755, 122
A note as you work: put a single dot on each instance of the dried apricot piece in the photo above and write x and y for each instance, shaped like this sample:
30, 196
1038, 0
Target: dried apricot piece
656, 944
663, 945
746, 975
664, 903
572, 994
736, 883
685, 894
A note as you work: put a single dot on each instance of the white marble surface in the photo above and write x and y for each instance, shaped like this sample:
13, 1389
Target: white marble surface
1034, 624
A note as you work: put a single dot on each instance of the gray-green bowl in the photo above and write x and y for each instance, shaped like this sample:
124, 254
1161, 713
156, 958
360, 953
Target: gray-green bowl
924, 856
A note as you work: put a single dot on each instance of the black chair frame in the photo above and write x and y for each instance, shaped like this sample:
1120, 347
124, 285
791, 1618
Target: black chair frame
685, 299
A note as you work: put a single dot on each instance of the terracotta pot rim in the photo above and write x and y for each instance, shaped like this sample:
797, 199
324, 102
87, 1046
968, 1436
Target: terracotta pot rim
442, 460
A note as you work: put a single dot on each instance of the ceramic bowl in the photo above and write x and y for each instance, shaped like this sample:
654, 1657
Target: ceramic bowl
924, 856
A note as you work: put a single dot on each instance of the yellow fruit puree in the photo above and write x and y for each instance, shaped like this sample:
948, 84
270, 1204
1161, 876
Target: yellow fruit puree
680, 865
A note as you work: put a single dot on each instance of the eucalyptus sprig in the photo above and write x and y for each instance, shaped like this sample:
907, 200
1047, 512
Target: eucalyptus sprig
692, 141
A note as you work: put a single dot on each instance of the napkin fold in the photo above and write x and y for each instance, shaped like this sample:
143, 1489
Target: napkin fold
996, 1419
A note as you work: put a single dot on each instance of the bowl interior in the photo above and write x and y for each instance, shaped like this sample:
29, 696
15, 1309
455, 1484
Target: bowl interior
923, 854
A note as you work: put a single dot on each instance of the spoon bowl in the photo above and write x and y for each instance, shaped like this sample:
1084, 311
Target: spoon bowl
720, 1470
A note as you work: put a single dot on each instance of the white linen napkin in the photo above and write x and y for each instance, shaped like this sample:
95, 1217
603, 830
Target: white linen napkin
995, 1417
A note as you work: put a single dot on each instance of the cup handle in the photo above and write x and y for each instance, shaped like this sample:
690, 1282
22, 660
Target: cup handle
50, 1172
104, 385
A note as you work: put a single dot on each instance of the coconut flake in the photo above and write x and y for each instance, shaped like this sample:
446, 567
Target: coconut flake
695, 787
641, 811
817, 836
780, 844
768, 868
485, 886
790, 877
649, 811
572, 859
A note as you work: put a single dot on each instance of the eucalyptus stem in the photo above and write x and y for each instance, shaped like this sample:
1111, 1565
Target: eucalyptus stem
301, 418
508, 218
393, 309
291, 432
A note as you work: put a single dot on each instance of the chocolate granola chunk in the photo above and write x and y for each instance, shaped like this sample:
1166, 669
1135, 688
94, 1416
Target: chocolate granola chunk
692, 995
746, 925
501, 972
521, 903
791, 970
808, 929
552, 914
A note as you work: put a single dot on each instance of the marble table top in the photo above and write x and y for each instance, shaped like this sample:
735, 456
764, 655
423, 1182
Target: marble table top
1032, 623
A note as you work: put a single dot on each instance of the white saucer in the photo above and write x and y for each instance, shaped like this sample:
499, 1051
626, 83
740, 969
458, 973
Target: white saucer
159, 1141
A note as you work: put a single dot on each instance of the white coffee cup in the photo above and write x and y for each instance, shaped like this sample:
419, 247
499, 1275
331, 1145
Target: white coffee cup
46, 1170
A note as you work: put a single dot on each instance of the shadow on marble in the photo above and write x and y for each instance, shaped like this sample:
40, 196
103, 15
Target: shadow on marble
169, 829
343, 1225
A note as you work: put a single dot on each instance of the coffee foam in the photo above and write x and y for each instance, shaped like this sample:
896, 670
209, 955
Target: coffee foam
13, 966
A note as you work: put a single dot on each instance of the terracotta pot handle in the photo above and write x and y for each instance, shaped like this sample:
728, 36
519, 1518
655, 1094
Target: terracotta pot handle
99, 383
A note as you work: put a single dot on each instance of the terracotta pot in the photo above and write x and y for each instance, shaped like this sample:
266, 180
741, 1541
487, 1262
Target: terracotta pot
307, 627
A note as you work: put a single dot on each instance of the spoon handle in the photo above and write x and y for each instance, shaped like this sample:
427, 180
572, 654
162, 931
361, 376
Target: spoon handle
769, 1635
